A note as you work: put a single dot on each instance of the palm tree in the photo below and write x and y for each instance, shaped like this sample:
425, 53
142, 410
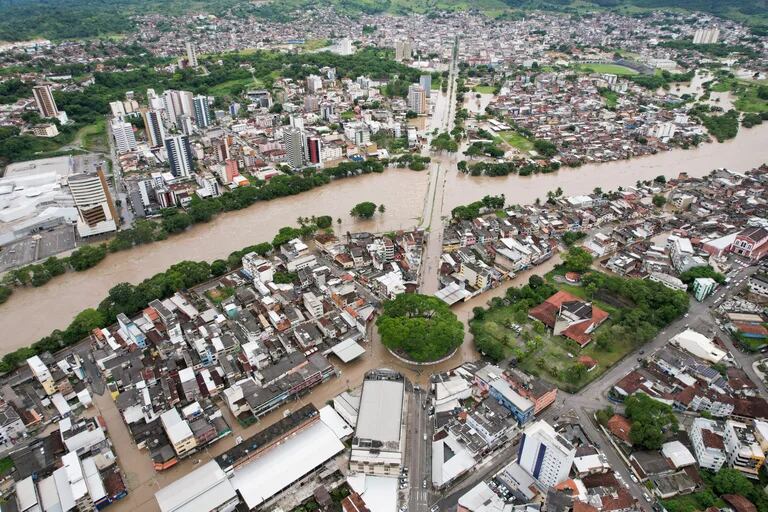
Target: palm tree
300, 221
338, 221
382, 209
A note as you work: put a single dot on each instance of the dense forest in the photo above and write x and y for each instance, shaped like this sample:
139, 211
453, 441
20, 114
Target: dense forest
65, 19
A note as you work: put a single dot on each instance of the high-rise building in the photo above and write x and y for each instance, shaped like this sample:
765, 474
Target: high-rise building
153, 126
293, 139
125, 140
314, 84
95, 208
44, 101
184, 122
327, 110
310, 103
117, 108
202, 113
417, 99
706, 35
191, 55
179, 155
425, 81
545, 454
403, 50
314, 149
177, 103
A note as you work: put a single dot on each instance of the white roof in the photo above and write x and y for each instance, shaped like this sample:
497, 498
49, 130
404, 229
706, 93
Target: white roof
93, 479
378, 492
285, 463
336, 423
49, 498
205, 488
449, 463
381, 408
176, 428
26, 496
61, 405
699, 345
481, 498
676, 452
348, 350
510, 394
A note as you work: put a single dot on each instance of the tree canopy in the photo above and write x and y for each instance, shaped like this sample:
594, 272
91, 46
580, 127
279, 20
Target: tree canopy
364, 210
419, 327
650, 420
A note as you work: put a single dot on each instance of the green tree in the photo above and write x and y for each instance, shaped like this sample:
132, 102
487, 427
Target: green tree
364, 210
659, 200
577, 259
421, 327
87, 256
650, 420
218, 268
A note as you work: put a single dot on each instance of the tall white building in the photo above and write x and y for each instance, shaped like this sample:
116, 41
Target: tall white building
706, 35
314, 84
545, 454
95, 208
191, 55
177, 103
125, 140
707, 439
417, 99
403, 50
293, 139
425, 81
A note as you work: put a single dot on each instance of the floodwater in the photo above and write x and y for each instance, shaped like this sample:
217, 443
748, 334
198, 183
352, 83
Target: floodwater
35, 312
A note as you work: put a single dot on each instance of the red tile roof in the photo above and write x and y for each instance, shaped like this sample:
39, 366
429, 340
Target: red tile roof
548, 310
620, 426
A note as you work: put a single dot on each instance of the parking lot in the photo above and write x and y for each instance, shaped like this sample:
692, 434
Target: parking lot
37, 247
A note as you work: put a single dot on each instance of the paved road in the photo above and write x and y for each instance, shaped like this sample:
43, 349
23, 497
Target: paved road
418, 462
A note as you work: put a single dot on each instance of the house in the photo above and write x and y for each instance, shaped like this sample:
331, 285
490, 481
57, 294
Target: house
569, 316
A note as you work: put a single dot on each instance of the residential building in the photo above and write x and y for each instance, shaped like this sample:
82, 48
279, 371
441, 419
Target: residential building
42, 374
425, 81
743, 451
703, 287
545, 454
314, 150
179, 434
125, 140
706, 35
202, 112
293, 139
11, 426
403, 50
153, 127
179, 155
707, 438
45, 130
191, 55
44, 101
417, 99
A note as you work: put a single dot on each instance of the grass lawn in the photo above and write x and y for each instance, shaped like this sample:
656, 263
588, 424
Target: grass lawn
94, 136
749, 102
484, 89
234, 86
552, 356
316, 44
516, 140
614, 69
6, 464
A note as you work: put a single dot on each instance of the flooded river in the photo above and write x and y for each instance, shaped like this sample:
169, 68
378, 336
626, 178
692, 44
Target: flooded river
35, 312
